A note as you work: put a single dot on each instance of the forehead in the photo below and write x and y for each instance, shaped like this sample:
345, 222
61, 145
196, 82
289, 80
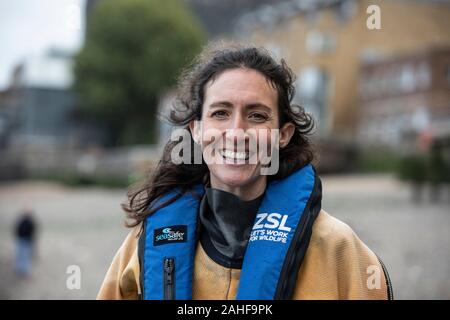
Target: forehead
240, 87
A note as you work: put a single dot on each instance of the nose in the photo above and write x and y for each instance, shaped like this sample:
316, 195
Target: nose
236, 135
239, 122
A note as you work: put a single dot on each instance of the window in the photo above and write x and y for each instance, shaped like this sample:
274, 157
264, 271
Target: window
424, 76
320, 42
312, 87
447, 73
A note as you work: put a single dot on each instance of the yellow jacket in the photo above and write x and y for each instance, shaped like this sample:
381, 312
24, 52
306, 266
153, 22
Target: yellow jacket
337, 265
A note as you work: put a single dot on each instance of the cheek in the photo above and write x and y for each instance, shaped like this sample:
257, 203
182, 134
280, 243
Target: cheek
210, 135
266, 136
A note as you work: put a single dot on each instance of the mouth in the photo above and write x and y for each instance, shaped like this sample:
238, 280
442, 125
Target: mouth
234, 156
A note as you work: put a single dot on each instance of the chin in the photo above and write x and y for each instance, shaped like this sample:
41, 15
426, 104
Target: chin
234, 176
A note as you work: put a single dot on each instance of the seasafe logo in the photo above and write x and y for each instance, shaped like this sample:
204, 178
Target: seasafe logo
172, 234
270, 227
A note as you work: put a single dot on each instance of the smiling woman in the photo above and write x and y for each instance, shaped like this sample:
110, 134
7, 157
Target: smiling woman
225, 228
238, 100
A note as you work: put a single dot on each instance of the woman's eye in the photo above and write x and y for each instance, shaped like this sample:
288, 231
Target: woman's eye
219, 114
259, 117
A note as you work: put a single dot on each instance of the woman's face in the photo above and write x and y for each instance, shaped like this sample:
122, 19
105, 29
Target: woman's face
240, 106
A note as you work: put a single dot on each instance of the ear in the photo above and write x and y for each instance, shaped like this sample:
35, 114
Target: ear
286, 133
195, 127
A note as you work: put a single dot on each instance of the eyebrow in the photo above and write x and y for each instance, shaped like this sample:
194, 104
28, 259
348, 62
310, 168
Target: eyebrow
227, 104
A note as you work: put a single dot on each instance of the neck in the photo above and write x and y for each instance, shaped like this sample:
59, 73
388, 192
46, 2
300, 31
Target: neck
226, 223
247, 192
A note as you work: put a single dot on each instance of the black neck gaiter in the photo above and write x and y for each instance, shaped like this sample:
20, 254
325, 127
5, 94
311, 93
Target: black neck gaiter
226, 222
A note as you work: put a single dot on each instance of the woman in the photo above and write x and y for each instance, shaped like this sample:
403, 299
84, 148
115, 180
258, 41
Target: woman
245, 221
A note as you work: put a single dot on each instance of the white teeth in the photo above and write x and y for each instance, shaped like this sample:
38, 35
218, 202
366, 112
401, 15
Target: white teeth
234, 155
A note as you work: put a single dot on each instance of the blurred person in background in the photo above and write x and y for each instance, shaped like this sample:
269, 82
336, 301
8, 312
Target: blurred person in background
25, 234
225, 231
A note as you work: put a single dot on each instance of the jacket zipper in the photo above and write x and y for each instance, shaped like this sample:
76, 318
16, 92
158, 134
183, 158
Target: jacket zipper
388, 280
169, 278
141, 246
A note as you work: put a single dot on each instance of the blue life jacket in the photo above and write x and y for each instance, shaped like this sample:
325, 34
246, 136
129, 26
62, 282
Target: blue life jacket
278, 241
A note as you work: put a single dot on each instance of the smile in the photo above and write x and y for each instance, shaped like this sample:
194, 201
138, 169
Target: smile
231, 155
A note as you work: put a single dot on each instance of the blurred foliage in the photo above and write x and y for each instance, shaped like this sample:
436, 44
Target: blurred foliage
420, 168
76, 179
378, 161
438, 168
134, 51
413, 168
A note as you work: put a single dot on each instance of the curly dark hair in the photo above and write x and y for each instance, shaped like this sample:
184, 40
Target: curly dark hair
214, 60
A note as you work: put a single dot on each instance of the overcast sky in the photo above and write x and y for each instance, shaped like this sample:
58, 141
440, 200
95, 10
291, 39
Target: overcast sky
30, 27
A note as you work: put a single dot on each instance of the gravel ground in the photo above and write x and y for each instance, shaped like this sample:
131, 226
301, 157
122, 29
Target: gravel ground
84, 227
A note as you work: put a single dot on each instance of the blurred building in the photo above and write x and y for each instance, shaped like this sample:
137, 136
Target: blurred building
38, 110
217, 17
44, 101
327, 41
40, 126
406, 100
